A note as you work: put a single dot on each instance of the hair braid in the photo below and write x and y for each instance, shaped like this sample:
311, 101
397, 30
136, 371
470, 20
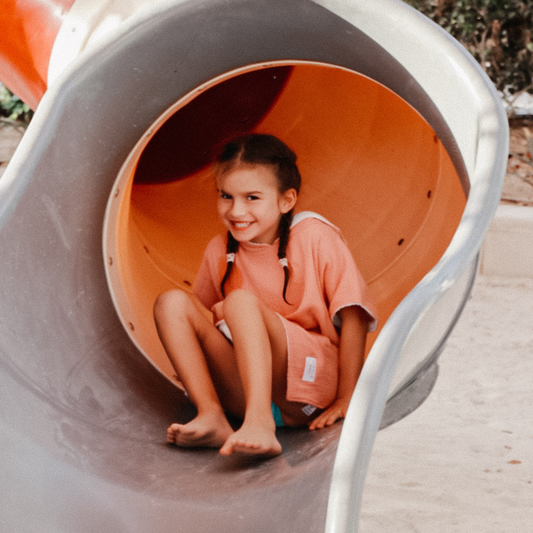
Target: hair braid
284, 230
231, 249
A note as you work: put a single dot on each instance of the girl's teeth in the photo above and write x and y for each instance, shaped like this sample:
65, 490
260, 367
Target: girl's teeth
241, 224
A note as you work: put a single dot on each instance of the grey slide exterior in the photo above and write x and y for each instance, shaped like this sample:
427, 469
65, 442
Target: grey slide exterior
82, 413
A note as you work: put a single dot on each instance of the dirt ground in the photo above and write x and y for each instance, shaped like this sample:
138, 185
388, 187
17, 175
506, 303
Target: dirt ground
517, 189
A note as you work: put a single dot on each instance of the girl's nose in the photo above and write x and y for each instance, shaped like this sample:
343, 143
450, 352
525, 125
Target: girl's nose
237, 208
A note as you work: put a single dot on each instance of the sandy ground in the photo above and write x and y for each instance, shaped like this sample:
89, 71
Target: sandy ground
463, 461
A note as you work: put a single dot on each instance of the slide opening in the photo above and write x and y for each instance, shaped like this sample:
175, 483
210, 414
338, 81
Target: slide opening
370, 163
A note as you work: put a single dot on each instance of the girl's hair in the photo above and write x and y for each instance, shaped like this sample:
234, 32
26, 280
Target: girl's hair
262, 149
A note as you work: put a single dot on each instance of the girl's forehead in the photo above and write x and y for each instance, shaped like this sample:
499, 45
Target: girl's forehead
248, 177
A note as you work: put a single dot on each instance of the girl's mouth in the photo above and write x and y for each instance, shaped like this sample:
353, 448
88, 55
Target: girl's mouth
241, 225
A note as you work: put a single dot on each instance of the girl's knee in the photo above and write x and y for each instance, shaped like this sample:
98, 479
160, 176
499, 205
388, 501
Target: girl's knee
240, 298
174, 301
238, 303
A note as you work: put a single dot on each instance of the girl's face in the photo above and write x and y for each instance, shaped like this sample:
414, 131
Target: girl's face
250, 204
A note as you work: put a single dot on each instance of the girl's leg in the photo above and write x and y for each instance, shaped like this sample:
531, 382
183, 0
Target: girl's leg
210, 368
188, 337
260, 345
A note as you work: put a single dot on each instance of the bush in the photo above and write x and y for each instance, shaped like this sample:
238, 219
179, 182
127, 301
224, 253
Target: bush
12, 107
496, 32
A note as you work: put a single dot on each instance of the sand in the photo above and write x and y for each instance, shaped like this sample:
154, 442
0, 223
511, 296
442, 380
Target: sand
463, 462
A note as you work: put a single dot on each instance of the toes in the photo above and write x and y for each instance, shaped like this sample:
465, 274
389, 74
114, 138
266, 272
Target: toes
236, 444
203, 432
171, 434
227, 449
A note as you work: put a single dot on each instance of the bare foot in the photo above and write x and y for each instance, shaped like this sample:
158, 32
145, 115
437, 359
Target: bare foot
207, 431
252, 440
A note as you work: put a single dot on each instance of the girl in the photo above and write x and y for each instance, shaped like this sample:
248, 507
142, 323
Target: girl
293, 311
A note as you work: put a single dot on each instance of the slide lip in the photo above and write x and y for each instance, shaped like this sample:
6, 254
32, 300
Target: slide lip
89, 22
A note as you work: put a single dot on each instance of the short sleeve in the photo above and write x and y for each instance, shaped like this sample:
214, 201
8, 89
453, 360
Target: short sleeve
344, 285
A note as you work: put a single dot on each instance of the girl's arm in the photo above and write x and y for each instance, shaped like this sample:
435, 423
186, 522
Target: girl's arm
351, 359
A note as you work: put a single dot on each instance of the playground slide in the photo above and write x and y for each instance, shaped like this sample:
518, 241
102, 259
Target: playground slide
402, 143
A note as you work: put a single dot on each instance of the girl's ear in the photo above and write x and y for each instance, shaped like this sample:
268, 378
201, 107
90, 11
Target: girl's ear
288, 200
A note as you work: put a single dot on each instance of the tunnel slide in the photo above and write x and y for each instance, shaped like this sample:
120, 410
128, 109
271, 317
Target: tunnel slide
401, 142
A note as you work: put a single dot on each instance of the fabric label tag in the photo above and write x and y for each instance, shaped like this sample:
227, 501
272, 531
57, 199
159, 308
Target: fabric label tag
310, 369
308, 409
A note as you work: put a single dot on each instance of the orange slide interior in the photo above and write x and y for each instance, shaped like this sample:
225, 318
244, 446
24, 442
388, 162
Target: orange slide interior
369, 162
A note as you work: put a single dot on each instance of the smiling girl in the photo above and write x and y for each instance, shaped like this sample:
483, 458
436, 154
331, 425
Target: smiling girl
290, 311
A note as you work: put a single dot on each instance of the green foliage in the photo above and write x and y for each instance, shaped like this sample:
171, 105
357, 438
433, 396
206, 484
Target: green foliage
496, 32
12, 107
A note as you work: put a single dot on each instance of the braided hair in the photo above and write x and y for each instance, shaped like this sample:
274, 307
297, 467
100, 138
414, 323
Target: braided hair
262, 149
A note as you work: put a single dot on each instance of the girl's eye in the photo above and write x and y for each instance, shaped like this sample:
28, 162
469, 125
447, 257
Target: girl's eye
252, 197
225, 196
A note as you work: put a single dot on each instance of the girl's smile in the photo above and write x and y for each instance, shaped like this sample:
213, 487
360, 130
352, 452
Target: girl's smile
250, 204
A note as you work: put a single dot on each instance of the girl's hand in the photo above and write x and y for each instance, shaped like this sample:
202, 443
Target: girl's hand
334, 412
